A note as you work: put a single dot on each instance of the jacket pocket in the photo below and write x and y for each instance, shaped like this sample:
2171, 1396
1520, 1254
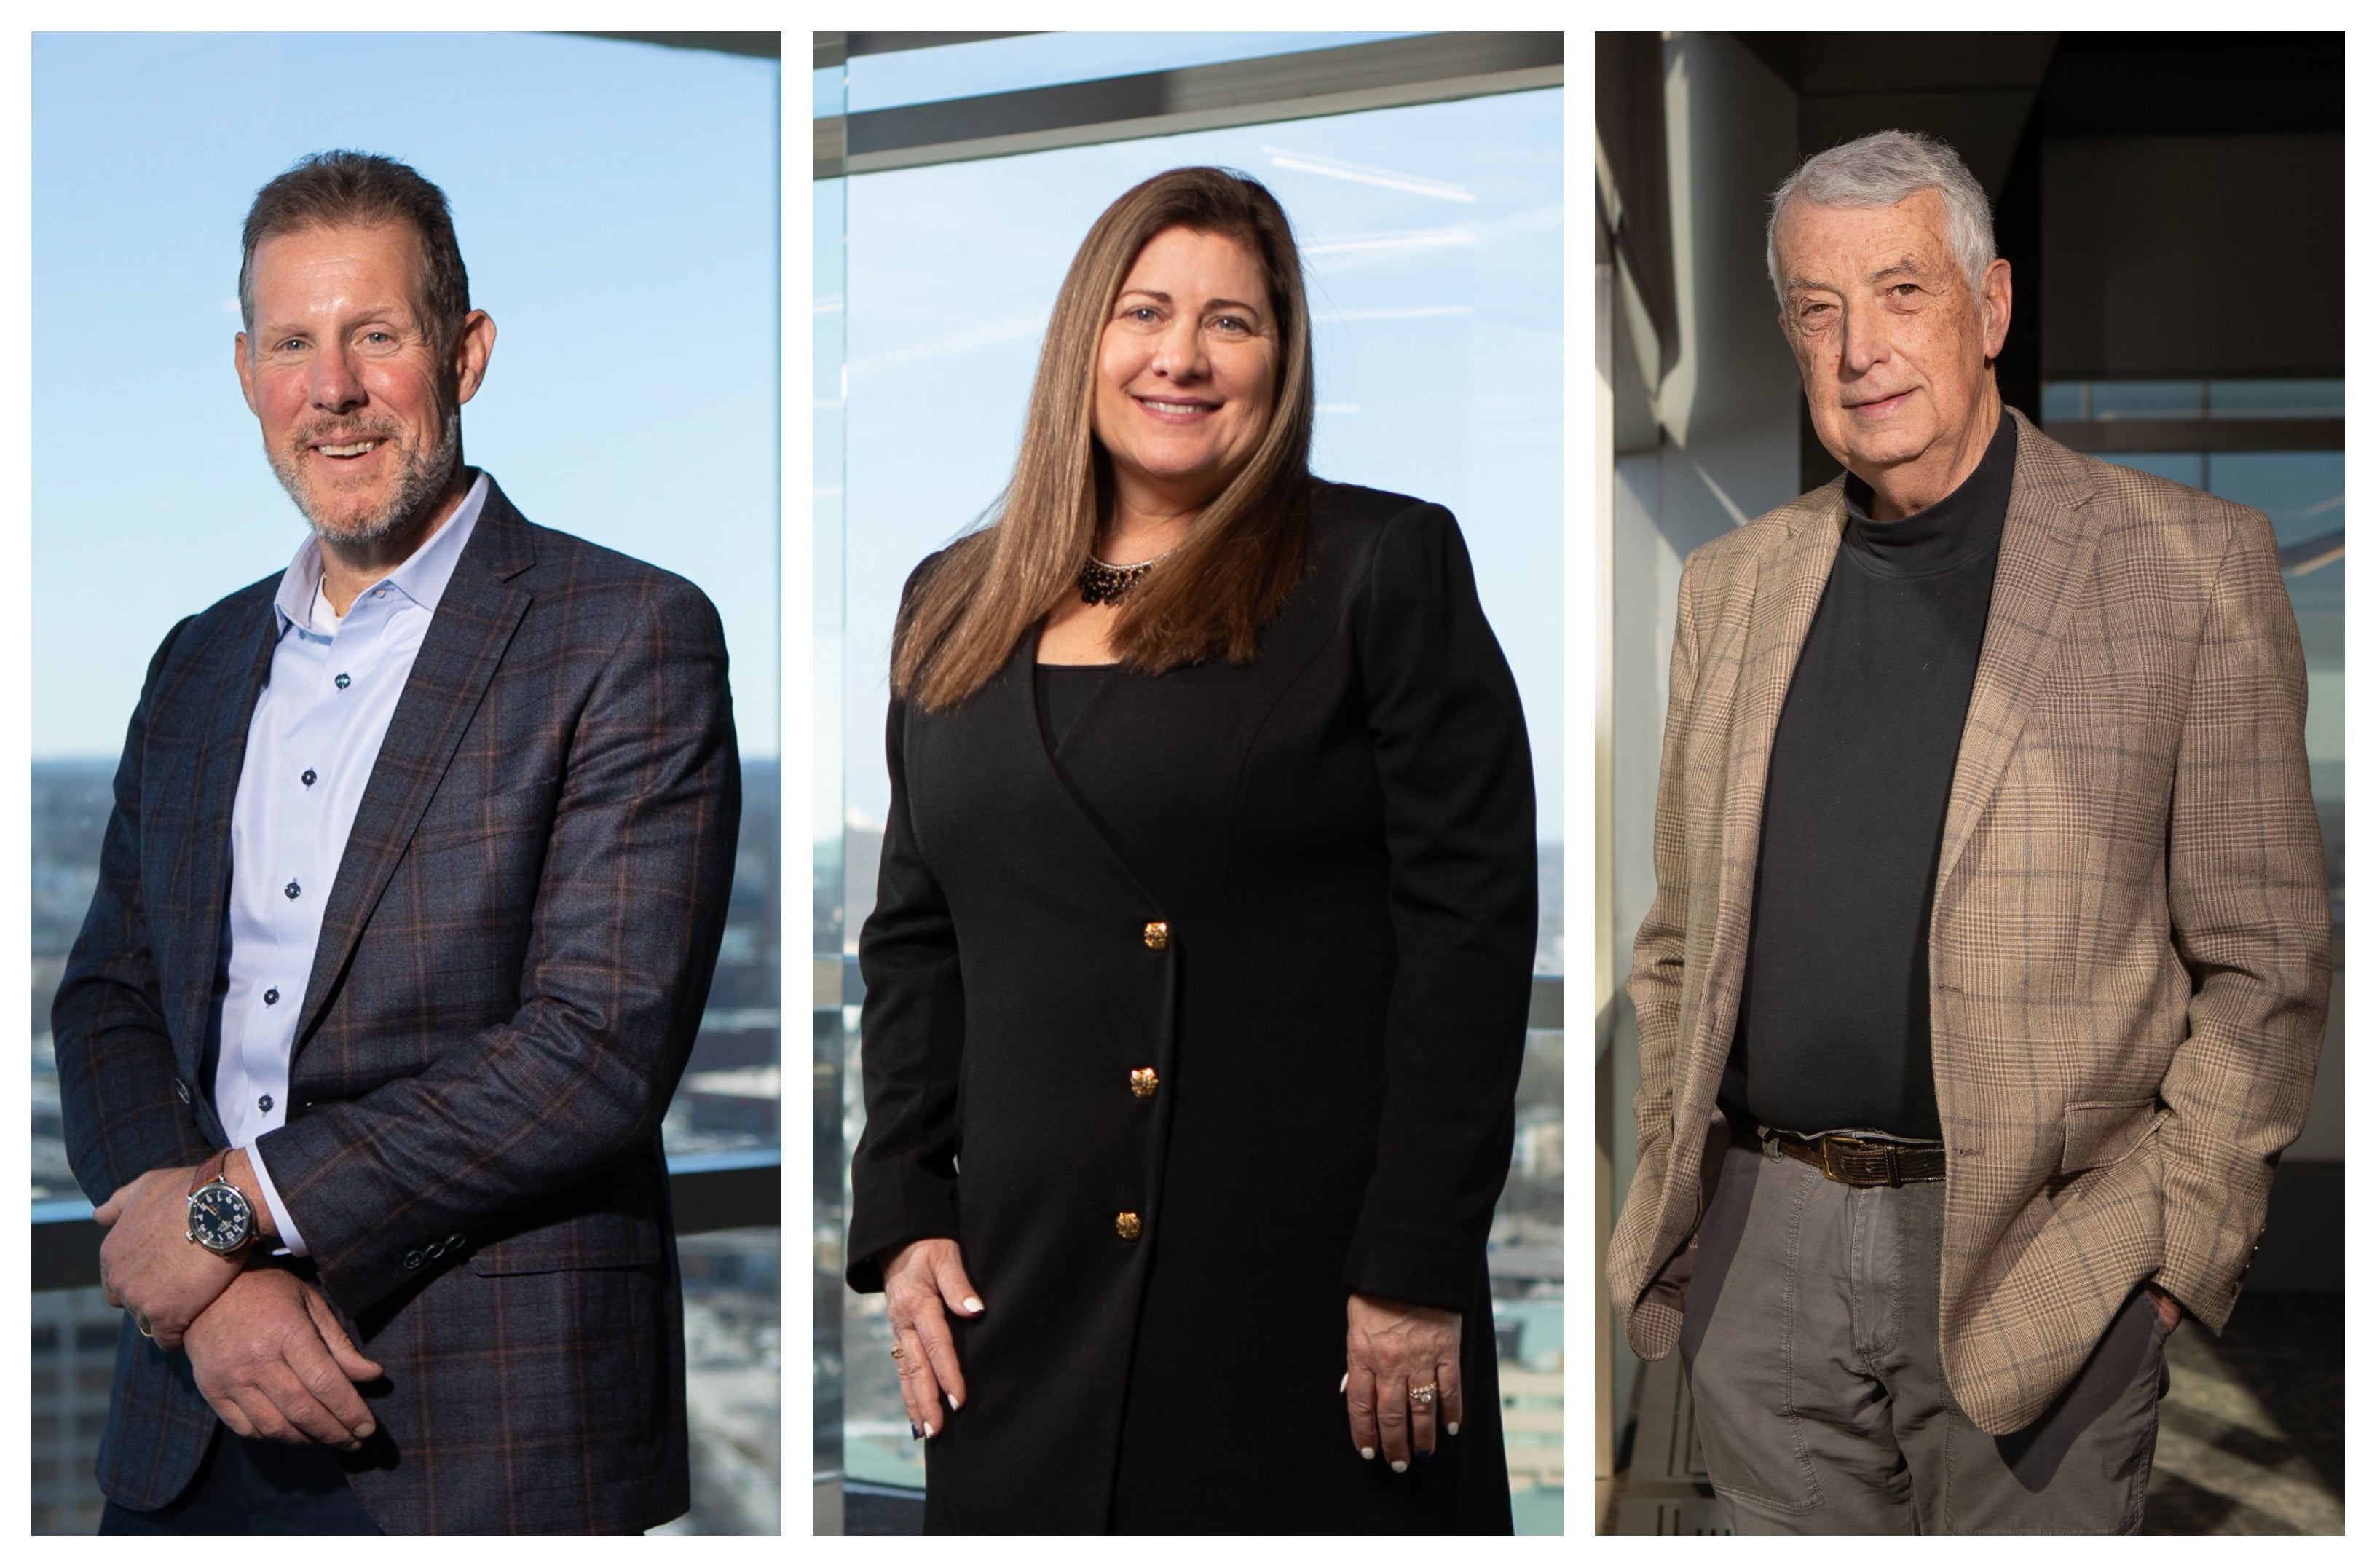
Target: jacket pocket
2098, 1132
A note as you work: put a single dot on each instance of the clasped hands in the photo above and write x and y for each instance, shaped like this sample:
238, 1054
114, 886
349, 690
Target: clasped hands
265, 1348
1392, 1349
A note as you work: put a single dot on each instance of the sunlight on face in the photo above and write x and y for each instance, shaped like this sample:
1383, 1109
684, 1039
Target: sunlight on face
346, 379
1894, 349
1187, 368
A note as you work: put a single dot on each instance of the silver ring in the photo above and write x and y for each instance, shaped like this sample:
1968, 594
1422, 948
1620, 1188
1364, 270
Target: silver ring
148, 1330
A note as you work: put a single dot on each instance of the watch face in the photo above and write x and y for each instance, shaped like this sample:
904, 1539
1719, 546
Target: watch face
219, 1217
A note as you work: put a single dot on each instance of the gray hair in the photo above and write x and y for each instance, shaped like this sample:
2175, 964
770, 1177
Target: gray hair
1884, 170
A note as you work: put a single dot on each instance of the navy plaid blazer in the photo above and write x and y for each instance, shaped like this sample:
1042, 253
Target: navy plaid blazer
511, 972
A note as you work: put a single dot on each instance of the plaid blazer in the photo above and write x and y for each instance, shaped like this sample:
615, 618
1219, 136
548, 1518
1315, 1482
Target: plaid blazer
2128, 939
511, 970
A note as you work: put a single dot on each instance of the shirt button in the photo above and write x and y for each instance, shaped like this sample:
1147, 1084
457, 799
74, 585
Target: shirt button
291, 889
272, 996
412, 1259
309, 778
340, 683
1158, 935
1127, 1226
1143, 1082
263, 1102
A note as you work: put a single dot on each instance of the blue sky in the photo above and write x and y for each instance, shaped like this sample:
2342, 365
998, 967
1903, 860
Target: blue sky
616, 205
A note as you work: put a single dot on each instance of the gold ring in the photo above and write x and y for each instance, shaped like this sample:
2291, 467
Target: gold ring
1422, 1394
897, 1352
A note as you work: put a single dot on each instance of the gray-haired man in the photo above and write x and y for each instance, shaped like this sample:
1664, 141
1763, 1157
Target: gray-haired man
1990, 960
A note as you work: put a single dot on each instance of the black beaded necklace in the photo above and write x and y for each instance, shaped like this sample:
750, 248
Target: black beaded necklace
1102, 582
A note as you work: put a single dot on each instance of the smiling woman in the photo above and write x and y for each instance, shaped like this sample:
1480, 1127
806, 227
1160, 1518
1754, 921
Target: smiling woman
1218, 481
1186, 368
1185, 372
1182, 729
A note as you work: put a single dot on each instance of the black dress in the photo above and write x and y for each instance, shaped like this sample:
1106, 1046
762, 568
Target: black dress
1195, 1020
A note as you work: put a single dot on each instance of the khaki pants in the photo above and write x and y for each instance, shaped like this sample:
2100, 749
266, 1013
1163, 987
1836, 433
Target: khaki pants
1811, 1340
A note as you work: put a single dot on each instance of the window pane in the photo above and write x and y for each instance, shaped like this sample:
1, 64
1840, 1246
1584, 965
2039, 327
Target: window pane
2277, 400
74, 1353
734, 1380
2145, 400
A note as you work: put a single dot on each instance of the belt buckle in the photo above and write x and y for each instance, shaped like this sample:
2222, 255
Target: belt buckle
1825, 1152
1891, 1174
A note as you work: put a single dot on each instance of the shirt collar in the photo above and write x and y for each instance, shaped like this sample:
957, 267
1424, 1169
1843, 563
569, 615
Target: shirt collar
422, 578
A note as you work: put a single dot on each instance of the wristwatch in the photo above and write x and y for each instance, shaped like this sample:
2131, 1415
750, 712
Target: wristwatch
222, 1220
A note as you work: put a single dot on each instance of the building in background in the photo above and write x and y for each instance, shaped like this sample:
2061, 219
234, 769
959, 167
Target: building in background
2173, 208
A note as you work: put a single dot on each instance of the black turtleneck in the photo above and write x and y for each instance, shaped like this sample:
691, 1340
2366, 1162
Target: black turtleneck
1835, 1025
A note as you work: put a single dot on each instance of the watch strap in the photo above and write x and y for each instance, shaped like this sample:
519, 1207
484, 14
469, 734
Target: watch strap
210, 1171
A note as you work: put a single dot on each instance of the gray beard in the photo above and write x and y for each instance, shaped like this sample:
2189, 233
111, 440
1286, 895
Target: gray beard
425, 474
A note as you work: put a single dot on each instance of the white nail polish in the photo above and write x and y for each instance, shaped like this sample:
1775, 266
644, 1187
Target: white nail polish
974, 1303
929, 1432
952, 1399
1452, 1428
1397, 1466
1369, 1454
1343, 1381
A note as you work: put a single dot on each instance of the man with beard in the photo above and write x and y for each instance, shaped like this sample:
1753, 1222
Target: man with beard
407, 909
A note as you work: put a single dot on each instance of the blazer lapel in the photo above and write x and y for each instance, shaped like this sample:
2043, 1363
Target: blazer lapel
473, 624
243, 660
2043, 558
1783, 605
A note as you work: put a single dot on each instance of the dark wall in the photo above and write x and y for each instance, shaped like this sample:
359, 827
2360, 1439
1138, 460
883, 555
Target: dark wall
2188, 256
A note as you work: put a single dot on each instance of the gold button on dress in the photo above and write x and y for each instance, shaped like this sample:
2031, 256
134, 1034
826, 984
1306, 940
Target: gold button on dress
1158, 935
1127, 1226
1143, 1082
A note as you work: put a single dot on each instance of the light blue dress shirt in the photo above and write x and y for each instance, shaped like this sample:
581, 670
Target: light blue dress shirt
316, 731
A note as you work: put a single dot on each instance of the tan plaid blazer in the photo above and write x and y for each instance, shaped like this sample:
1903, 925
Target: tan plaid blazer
2128, 939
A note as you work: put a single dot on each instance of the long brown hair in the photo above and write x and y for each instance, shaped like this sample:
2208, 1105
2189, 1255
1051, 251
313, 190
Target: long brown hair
1215, 592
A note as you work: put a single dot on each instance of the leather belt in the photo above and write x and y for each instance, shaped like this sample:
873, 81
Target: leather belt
1867, 1162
